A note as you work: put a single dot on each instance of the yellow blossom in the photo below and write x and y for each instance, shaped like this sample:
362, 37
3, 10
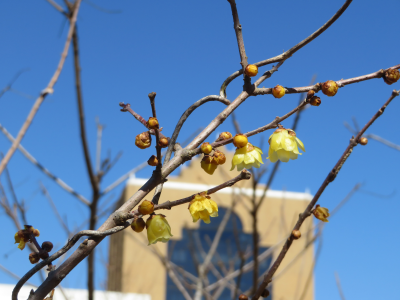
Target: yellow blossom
283, 145
247, 157
158, 229
23, 236
321, 213
203, 207
208, 164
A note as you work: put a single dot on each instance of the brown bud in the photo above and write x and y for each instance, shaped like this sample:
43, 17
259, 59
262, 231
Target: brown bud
296, 234
243, 297
35, 232
138, 225
278, 91
330, 88
310, 94
240, 140
143, 140
34, 257
251, 70
163, 142
391, 76
363, 141
146, 207
153, 161
265, 293
219, 157
43, 254
224, 136
47, 246
152, 123
315, 101
206, 148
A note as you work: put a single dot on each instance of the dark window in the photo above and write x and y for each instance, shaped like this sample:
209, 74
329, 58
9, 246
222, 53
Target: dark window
192, 248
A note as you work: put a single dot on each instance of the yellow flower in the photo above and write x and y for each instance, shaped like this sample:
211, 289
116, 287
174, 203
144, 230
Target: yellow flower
208, 164
202, 207
283, 145
158, 229
247, 157
23, 236
321, 213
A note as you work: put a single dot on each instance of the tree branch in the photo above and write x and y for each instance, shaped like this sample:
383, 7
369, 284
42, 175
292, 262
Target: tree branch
44, 93
307, 212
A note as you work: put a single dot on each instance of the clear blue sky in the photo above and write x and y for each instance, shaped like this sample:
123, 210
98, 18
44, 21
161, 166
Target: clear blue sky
183, 50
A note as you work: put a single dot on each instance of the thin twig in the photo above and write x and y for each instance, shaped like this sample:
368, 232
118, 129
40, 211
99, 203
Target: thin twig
9, 85
339, 286
289, 52
307, 212
60, 182
44, 93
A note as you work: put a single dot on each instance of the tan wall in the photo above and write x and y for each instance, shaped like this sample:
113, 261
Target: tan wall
143, 272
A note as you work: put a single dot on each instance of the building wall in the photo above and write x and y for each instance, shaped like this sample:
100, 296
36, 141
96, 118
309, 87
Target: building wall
143, 272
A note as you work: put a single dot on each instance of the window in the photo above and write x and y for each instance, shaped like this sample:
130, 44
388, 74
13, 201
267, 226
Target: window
192, 248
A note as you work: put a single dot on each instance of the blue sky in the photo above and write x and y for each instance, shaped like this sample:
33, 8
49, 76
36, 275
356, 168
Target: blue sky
183, 50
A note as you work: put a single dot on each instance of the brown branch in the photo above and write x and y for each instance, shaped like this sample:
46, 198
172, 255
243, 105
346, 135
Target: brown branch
60, 182
291, 51
307, 212
44, 93
152, 97
317, 87
239, 35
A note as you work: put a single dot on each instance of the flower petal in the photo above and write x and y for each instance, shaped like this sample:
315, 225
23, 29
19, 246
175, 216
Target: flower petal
300, 143
272, 156
248, 158
283, 155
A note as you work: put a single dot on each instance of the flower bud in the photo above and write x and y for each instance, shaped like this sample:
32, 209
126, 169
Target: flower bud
251, 70
43, 254
163, 142
310, 94
391, 76
296, 234
208, 164
321, 213
224, 136
47, 246
243, 297
146, 207
206, 148
143, 140
34, 257
152, 123
363, 141
240, 140
330, 88
153, 161
315, 101
265, 293
278, 91
219, 157
158, 229
138, 225
35, 232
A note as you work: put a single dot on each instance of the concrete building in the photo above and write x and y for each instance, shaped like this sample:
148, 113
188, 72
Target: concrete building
135, 268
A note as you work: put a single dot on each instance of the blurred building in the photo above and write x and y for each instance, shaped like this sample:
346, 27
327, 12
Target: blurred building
138, 268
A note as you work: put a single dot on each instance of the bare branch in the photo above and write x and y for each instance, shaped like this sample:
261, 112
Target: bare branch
60, 182
8, 86
57, 6
339, 286
307, 212
289, 52
44, 93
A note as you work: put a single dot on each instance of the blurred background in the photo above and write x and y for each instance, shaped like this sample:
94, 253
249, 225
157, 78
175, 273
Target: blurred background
183, 51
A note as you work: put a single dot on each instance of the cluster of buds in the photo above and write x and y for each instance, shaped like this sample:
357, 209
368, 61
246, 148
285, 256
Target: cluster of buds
391, 76
312, 99
29, 234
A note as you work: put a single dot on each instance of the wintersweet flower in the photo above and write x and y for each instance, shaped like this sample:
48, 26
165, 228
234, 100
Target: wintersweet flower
321, 213
158, 229
247, 157
208, 164
23, 236
283, 145
202, 207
